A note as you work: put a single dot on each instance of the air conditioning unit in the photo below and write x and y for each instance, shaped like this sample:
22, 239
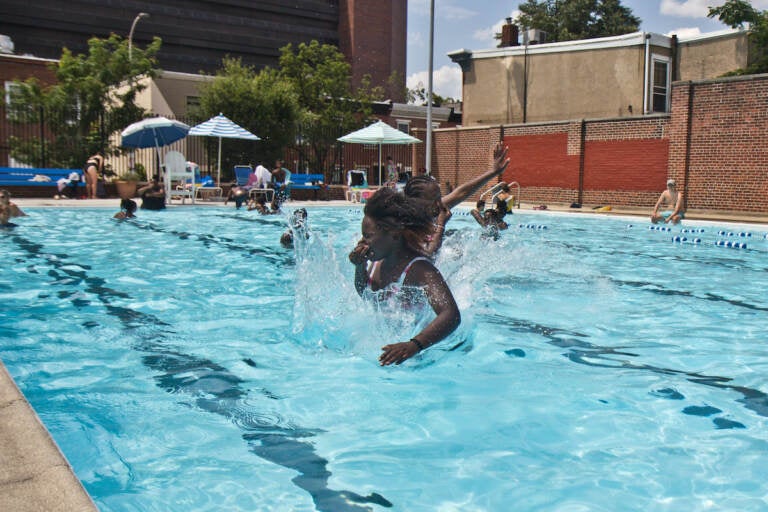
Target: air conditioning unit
536, 36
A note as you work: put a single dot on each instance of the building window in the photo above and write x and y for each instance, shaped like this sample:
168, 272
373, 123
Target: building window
193, 104
404, 126
660, 81
8, 87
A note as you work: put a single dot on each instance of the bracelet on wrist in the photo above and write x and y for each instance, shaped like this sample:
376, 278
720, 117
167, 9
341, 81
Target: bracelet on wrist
417, 343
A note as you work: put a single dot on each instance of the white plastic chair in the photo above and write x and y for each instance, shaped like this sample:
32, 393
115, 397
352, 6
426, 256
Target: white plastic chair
178, 176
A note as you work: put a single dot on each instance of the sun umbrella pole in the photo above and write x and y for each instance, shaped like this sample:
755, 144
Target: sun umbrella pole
380, 164
218, 176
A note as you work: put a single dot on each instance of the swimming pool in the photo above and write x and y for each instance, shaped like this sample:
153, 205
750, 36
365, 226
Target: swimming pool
185, 361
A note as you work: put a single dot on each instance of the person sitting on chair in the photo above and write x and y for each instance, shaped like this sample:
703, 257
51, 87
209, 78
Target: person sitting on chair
67, 187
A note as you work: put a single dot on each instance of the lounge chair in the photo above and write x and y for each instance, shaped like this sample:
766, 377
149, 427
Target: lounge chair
242, 173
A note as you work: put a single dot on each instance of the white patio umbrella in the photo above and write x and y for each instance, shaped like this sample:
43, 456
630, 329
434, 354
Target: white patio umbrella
222, 127
379, 133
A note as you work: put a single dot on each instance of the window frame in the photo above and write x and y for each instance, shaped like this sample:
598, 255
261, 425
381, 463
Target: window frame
652, 90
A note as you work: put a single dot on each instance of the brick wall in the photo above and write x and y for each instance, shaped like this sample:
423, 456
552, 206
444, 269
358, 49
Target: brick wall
717, 152
719, 155
372, 34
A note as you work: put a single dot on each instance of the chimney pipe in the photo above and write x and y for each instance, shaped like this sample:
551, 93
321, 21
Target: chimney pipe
509, 34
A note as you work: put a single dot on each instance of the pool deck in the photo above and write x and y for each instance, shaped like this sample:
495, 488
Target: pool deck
692, 214
35, 475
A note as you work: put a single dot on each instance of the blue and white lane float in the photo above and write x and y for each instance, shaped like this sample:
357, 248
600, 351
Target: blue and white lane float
731, 243
684, 240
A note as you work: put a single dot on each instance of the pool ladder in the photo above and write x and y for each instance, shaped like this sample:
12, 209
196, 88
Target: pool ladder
497, 189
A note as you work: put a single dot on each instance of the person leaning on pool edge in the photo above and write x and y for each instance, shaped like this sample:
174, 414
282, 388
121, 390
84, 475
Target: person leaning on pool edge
672, 201
8, 210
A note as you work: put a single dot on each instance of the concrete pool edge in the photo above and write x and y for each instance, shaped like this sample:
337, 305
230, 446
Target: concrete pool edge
34, 474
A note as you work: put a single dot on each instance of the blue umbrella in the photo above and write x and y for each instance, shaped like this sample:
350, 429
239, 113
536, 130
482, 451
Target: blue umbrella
153, 132
222, 127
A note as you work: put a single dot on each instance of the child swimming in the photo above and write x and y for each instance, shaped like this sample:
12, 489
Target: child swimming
393, 233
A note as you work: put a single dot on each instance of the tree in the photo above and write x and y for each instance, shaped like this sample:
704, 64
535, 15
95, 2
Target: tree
566, 20
95, 95
321, 77
737, 14
418, 96
262, 103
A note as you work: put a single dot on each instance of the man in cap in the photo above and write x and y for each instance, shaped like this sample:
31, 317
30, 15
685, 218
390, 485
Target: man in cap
672, 203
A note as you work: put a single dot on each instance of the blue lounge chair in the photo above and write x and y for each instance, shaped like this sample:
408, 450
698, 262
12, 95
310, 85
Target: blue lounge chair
242, 173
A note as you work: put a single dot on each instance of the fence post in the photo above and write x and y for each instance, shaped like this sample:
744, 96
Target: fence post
43, 160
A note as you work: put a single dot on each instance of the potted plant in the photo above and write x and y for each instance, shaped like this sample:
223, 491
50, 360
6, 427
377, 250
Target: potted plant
128, 183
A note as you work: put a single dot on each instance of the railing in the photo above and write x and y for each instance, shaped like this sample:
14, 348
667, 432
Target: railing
499, 187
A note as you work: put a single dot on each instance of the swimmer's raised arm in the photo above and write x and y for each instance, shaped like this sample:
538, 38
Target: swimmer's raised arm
463, 191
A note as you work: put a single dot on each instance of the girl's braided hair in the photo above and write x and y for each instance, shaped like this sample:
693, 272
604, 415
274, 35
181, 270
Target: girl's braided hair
392, 211
419, 185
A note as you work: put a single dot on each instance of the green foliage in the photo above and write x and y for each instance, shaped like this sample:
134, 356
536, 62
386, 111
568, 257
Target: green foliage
262, 103
94, 96
418, 96
567, 20
321, 77
737, 14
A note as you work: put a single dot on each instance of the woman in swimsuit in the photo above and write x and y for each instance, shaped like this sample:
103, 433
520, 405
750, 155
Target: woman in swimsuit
394, 229
92, 170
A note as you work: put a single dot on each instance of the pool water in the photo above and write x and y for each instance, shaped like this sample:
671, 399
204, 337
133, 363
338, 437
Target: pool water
185, 361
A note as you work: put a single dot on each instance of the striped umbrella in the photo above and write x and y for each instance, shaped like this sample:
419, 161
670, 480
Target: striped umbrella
222, 127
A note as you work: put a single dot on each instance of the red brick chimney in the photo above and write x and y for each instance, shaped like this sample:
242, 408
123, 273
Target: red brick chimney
509, 34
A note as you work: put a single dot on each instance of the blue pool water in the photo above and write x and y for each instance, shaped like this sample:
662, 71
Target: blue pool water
185, 361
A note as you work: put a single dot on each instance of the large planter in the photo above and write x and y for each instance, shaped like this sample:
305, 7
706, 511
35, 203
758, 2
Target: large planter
126, 189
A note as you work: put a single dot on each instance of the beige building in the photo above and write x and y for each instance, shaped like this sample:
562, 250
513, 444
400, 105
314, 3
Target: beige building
619, 76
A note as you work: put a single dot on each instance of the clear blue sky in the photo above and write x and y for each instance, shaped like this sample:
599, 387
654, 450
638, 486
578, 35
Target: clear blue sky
471, 25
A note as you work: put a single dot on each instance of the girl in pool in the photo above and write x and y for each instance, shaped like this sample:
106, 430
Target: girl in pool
427, 189
393, 230
127, 209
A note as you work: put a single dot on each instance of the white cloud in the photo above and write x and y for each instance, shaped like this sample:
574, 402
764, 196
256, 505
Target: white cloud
688, 8
698, 8
684, 32
416, 39
446, 81
486, 35
451, 12
443, 9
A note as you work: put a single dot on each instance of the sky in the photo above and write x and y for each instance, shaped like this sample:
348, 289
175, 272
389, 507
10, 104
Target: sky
472, 25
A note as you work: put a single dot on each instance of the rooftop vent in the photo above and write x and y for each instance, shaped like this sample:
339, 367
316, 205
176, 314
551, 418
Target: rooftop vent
535, 36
